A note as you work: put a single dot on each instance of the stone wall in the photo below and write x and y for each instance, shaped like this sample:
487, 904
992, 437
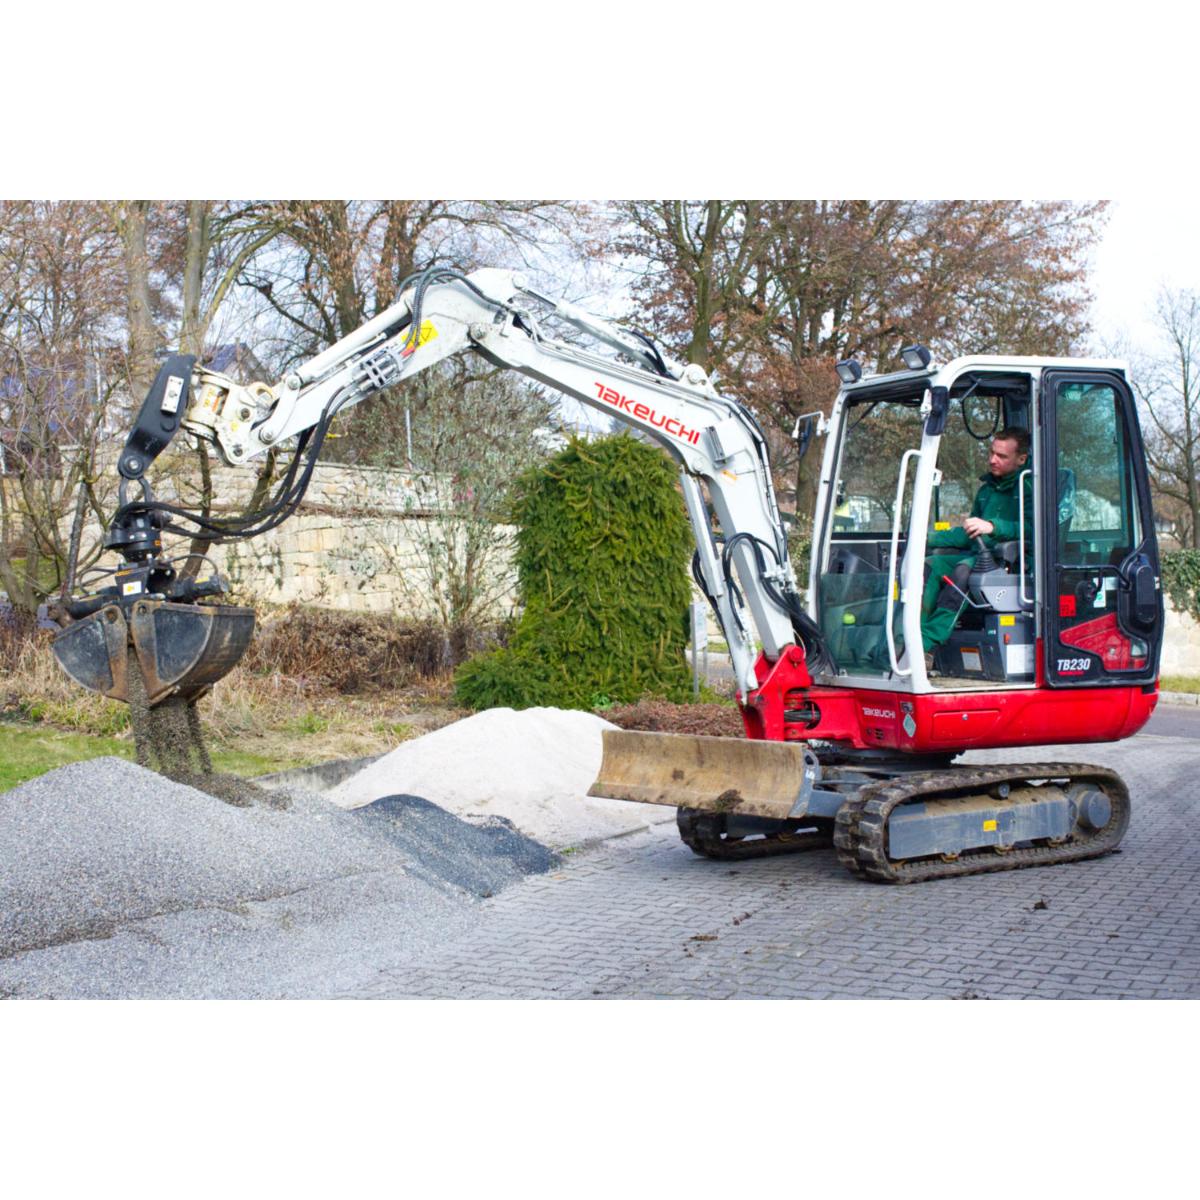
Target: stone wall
362, 563
1181, 645
359, 542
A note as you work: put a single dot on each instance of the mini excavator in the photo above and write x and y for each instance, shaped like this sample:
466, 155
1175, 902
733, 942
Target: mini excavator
852, 729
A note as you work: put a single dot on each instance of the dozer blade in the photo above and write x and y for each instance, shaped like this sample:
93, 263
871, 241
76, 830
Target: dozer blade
181, 649
710, 774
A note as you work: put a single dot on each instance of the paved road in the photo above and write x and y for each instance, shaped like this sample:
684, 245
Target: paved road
643, 917
1175, 720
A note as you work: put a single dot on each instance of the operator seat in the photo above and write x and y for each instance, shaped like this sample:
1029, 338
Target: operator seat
1010, 552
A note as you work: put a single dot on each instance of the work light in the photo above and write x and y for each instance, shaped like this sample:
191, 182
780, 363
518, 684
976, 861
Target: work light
849, 371
916, 357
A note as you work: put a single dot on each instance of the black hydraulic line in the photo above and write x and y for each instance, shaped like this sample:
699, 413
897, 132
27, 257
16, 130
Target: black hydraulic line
980, 437
659, 364
284, 502
809, 633
698, 576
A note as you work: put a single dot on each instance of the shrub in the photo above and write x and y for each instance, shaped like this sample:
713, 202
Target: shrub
603, 547
348, 652
1181, 580
504, 678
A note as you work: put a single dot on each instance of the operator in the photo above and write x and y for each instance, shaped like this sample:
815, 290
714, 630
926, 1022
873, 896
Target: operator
994, 517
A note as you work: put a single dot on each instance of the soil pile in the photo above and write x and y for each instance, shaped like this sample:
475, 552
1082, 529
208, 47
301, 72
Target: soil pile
532, 766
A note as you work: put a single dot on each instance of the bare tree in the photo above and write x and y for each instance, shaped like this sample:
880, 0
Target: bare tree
1167, 379
337, 263
772, 293
59, 284
472, 439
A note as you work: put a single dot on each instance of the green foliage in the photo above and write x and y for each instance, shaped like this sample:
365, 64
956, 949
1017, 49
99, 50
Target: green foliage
27, 751
84, 713
1179, 683
310, 722
1181, 580
800, 551
602, 558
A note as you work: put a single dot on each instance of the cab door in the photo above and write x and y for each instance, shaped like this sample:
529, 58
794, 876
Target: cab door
1102, 615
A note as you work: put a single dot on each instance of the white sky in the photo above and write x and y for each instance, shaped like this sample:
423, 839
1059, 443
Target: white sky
1149, 241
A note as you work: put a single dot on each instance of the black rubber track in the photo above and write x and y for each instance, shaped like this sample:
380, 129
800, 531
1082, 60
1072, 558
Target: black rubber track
860, 831
704, 834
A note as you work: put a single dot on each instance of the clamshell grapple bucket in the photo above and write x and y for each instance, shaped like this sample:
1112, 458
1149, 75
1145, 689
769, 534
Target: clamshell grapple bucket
181, 650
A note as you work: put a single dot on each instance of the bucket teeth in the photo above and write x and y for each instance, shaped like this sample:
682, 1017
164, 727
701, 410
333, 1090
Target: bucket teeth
180, 649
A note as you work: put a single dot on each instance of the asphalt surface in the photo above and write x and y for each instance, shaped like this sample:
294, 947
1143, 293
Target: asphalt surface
1175, 720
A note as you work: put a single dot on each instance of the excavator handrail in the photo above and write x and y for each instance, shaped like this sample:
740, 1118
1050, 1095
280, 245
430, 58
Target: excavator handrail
1021, 531
891, 579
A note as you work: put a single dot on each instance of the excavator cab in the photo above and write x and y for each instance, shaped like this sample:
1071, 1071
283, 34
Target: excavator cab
1072, 600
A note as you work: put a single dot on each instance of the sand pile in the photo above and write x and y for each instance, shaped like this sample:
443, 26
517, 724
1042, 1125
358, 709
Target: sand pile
533, 767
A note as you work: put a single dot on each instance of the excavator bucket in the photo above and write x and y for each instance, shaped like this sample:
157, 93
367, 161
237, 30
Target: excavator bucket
710, 774
180, 649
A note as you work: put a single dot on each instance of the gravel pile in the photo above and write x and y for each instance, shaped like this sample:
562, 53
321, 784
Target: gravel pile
532, 767
95, 844
480, 859
119, 882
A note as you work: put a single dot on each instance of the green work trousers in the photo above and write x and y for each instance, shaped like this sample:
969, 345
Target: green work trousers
937, 621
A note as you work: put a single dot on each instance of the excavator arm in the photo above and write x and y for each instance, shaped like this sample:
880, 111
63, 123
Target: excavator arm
720, 449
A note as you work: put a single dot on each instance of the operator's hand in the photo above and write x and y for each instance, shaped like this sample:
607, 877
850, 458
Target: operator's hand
977, 527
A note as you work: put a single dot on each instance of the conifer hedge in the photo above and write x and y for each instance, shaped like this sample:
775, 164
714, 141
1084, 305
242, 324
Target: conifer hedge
603, 548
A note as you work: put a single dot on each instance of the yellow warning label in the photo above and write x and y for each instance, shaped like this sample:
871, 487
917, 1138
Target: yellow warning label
989, 827
427, 334
131, 589
1009, 620
896, 591
941, 526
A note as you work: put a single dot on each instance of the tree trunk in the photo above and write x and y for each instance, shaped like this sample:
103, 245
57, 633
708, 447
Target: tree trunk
194, 328
132, 217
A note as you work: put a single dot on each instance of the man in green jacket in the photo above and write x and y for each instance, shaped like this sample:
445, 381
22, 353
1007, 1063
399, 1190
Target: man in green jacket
994, 517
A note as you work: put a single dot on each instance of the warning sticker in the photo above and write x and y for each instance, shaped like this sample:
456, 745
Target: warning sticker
1008, 620
426, 335
170, 401
972, 660
941, 526
989, 827
1019, 659
131, 589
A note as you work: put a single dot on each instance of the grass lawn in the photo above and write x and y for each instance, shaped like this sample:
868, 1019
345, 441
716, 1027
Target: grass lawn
28, 750
1179, 683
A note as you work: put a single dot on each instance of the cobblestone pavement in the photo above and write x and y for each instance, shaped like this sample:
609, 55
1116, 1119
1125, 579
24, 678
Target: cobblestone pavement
643, 917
